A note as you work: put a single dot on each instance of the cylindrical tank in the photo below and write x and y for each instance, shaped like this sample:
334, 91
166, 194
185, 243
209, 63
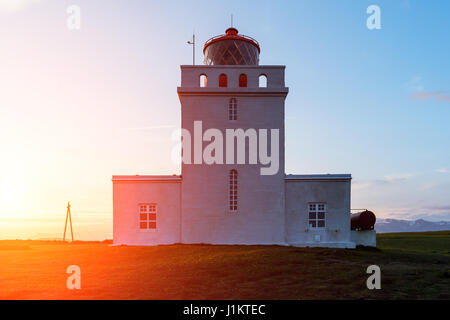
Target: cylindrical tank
364, 220
231, 49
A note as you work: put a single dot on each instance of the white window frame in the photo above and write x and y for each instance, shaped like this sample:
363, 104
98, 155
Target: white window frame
232, 109
316, 208
147, 209
233, 191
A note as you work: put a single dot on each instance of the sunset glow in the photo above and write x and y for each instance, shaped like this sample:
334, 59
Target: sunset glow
224, 159
77, 107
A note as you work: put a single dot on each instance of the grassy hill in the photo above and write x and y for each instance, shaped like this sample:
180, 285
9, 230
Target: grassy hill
413, 266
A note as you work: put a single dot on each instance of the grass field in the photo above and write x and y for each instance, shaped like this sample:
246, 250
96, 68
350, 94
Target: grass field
413, 266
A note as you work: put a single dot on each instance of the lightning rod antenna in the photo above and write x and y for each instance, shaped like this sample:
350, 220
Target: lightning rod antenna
193, 48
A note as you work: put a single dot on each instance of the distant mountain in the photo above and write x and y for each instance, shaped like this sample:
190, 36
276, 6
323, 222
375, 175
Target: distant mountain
394, 225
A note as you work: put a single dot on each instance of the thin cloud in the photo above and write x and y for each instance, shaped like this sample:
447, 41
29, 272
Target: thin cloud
439, 96
386, 180
443, 170
439, 208
430, 213
398, 177
415, 84
429, 185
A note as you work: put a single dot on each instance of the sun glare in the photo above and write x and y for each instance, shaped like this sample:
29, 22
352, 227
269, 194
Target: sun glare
11, 198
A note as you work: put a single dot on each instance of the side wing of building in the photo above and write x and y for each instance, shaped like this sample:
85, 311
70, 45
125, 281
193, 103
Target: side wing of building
318, 210
147, 210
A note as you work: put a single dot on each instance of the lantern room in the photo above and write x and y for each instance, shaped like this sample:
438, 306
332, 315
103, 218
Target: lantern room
231, 49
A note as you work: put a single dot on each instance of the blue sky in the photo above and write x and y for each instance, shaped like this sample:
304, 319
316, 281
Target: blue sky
84, 105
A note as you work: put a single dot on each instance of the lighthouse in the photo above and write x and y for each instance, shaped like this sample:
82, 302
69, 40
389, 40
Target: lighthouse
233, 188
233, 202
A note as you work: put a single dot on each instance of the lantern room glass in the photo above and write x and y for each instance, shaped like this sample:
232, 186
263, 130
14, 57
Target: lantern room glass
231, 52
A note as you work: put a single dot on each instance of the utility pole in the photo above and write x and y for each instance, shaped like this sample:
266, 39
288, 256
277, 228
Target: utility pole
193, 48
68, 216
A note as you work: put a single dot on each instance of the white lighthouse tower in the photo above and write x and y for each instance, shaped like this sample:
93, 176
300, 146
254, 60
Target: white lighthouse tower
233, 203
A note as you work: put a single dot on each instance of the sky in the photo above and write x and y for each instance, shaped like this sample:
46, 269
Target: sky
78, 106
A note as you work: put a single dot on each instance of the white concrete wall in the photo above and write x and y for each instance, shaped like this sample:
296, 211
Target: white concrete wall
206, 217
366, 238
334, 190
190, 76
128, 192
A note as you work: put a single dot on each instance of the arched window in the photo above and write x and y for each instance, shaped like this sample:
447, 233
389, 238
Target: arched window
263, 81
232, 109
223, 81
243, 80
203, 81
233, 196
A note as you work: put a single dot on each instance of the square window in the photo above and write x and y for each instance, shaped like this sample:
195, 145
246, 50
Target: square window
317, 215
147, 216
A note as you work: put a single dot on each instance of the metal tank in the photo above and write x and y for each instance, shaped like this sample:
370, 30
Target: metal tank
364, 220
